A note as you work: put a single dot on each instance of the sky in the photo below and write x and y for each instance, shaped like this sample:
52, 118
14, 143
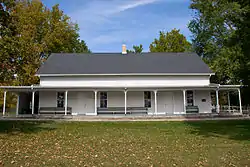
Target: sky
107, 24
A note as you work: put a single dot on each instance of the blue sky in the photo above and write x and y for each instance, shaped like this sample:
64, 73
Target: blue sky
106, 24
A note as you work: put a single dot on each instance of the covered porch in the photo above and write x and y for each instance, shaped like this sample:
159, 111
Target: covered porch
124, 101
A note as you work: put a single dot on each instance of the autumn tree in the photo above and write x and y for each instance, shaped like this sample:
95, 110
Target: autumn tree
7, 30
38, 31
172, 41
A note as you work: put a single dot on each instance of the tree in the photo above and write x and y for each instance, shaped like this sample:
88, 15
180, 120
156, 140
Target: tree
221, 37
136, 49
7, 29
241, 38
212, 27
170, 42
39, 31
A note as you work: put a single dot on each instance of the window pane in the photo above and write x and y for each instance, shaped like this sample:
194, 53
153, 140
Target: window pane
103, 99
60, 99
190, 98
147, 99
147, 95
103, 103
103, 95
147, 103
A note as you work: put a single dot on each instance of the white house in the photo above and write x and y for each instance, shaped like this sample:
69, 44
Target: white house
120, 83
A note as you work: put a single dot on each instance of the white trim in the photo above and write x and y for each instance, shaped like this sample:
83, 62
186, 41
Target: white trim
158, 113
184, 100
206, 112
217, 101
125, 102
17, 104
102, 88
65, 102
228, 100
230, 86
95, 92
161, 113
155, 96
179, 113
150, 113
33, 103
240, 101
4, 102
90, 114
29, 88
122, 74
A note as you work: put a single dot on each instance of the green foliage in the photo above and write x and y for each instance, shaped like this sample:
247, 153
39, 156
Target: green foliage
212, 27
221, 35
136, 49
241, 38
170, 42
31, 33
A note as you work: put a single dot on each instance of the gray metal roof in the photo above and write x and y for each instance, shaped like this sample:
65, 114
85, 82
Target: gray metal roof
117, 63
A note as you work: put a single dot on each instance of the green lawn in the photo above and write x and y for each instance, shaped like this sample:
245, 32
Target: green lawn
208, 143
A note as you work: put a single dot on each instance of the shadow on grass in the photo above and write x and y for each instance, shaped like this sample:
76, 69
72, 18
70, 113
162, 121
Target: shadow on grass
234, 129
15, 127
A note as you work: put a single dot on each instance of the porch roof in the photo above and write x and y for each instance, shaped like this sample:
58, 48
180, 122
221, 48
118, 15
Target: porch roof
39, 87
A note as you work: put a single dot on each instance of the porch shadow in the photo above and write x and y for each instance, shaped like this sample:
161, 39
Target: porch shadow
231, 129
16, 127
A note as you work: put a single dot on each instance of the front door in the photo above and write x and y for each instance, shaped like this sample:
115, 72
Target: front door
165, 102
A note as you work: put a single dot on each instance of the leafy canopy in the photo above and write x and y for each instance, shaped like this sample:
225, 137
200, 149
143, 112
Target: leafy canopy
29, 33
172, 41
136, 49
212, 27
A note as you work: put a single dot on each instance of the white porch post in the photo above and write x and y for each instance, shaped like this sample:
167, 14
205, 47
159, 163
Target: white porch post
228, 100
184, 101
125, 102
17, 104
155, 102
4, 102
240, 101
95, 102
217, 101
33, 103
66, 103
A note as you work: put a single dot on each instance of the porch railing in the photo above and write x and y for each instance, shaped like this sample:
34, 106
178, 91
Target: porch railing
235, 109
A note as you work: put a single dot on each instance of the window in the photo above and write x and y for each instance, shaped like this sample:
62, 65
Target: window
147, 99
190, 98
103, 99
60, 99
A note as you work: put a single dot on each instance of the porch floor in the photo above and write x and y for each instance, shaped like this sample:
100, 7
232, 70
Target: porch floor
122, 117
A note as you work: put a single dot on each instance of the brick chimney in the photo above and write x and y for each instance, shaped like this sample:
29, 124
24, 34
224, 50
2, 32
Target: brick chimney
124, 49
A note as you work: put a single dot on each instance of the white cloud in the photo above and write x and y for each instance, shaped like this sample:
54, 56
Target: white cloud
105, 22
131, 4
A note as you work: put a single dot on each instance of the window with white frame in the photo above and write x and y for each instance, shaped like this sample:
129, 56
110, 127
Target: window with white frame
103, 99
190, 98
147, 99
60, 99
